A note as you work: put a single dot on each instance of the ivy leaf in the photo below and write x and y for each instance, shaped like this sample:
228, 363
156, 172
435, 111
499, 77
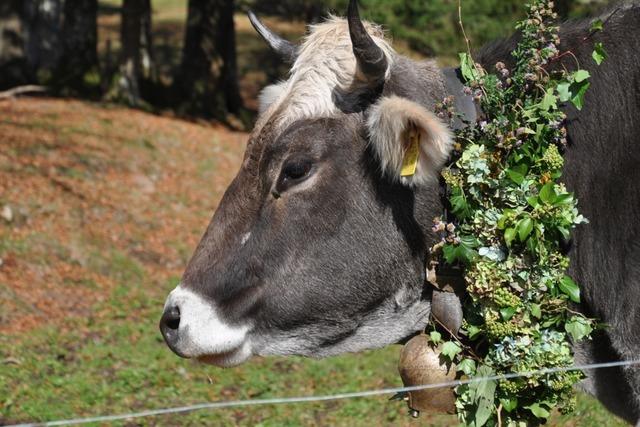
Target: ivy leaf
577, 98
563, 91
468, 366
597, 25
473, 331
578, 327
549, 101
435, 336
575, 89
509, 404
599, 54
459, 204
462, 252
538, 411
525, 227
570, 288
450, 349
580, 76
483, 395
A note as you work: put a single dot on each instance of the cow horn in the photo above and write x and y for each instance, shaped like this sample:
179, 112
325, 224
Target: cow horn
284, 48
371, 58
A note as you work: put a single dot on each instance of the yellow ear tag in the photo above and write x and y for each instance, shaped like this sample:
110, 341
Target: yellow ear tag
412, 153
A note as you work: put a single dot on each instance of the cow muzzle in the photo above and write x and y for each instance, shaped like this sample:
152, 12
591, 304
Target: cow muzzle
192, 328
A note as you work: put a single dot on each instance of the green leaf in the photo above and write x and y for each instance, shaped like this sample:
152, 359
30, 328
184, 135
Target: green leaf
468, 366
563, 91
547, 193
580, 76
577, 98
549, 101
507, 313
570, 288
459, 204
483, 395
467, 67
575, 89
599, 54
450, 253
536, 311
509, 404
435, 336
532, 201
473, 331
597, 25
509, 235
578, 327
450, 349
515, 176
566, 235
564, 199
525, 226
538, 411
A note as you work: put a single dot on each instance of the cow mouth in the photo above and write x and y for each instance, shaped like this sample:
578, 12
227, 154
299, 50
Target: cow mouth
227, 359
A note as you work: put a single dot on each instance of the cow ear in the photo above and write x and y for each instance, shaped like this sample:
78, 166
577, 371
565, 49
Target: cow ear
400, 129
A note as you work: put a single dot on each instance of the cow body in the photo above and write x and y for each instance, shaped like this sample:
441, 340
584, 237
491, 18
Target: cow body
318, 247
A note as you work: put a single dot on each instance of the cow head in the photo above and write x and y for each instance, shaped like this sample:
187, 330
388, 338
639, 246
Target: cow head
318, 246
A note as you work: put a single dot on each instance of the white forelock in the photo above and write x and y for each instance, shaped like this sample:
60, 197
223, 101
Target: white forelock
325, 62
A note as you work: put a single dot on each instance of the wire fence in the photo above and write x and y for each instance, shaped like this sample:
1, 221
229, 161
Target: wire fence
323, 398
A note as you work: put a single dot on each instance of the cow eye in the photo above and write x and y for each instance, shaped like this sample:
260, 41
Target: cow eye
295, 170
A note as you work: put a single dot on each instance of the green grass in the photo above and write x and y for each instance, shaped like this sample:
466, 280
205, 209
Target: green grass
115, 362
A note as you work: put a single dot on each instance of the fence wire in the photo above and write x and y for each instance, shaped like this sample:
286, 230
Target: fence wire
323, 398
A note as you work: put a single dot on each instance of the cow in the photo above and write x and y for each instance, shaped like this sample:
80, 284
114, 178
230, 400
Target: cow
318, 247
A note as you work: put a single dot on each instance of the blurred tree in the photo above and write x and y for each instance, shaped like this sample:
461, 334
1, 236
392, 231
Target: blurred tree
208, 75
14, 69
136, 58
78, 71
311, 11
43, 21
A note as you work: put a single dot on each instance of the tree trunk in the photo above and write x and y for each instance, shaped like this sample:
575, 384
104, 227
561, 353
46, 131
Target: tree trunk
208, 72
136, 60
78, 70
13, 63
43, 21
130, 63
226, 45
146, 43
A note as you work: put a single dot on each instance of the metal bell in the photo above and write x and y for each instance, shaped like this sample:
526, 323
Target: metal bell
420, 364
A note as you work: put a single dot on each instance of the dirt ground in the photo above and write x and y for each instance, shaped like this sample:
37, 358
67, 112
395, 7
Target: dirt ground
91, 194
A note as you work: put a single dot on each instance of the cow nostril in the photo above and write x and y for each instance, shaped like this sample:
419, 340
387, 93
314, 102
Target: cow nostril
170, 328
171, 318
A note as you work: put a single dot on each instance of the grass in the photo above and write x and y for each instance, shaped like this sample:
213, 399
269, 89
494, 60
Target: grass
114, 361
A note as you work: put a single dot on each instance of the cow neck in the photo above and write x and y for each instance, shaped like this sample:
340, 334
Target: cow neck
467, 111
